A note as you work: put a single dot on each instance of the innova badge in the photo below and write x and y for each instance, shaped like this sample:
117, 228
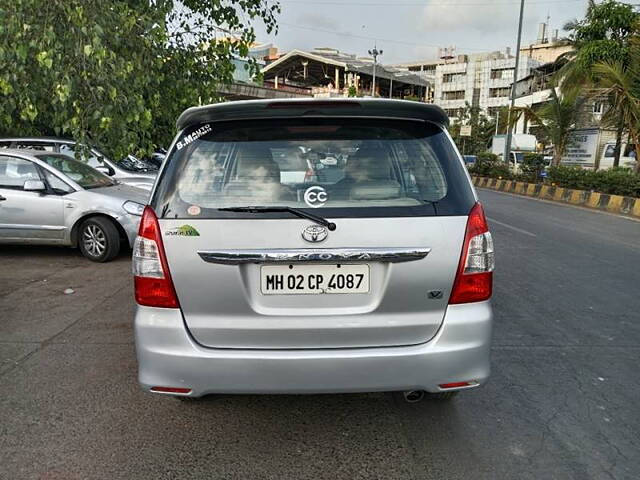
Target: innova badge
315, 233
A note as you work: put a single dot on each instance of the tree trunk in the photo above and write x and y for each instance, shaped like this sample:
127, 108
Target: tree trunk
618, 147
557, 157
635, 138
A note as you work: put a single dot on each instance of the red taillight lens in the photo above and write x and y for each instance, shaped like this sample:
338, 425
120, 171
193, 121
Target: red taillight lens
445, 386
171, 390
474, 279
153, 285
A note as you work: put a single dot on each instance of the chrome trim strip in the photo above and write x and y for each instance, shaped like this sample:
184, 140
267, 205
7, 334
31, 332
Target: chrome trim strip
318, 255
22, 226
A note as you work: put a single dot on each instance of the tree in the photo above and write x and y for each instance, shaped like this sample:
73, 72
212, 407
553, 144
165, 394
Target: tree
620, 82
482, 129
556, 117
117, 73
602, 36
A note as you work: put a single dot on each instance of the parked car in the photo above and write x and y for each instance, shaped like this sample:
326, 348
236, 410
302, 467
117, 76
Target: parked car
156, 157
251, 282
51, 199
127, 171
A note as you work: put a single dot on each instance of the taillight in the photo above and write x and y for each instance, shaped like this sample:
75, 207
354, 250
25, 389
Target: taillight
474, 279
153, 285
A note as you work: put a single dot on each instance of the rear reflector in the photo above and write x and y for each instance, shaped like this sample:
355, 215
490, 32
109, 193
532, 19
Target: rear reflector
152, 280
171, 390
444, 386
474, 279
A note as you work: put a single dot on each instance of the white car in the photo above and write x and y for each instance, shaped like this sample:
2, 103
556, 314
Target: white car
378, 279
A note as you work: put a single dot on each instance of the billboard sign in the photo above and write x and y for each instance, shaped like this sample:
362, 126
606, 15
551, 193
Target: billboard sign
582, 147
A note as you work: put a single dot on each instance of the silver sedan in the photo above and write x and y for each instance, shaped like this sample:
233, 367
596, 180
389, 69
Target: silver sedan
51, 199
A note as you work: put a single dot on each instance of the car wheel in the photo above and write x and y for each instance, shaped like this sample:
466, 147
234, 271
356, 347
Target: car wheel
99, 239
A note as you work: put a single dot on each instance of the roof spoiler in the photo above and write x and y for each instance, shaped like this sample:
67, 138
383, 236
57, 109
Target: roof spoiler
288, 108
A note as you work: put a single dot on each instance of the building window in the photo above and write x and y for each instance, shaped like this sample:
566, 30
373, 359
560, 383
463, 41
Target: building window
453, 95
499, 92
452, 112
598, 107
452, 77
494, 111
502, 73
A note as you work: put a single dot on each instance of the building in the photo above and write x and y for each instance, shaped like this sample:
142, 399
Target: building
480, 80
264, 52
546, 49
327, 72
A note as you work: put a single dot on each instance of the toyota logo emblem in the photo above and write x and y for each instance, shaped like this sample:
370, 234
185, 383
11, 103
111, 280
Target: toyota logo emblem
315, 233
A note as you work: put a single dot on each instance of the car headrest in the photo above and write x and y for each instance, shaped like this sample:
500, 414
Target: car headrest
256, 162
369, 163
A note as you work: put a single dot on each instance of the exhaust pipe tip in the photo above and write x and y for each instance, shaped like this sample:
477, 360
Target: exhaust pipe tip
413, 396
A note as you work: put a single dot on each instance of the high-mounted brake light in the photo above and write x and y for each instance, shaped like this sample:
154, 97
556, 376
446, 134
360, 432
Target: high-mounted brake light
474, 279
153, 285
314, 104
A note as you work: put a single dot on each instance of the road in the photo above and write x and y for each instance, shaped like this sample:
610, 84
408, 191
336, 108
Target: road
563, 401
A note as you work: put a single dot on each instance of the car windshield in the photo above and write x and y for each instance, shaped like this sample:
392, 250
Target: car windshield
83, 175
346, 166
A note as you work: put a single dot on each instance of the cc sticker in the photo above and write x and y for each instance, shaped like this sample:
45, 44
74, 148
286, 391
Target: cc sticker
315, 196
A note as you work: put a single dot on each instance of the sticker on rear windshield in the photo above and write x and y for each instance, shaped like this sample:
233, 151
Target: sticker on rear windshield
196, 134
183, 231
193, 210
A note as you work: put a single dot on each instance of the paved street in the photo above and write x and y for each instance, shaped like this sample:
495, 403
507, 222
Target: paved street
563, 401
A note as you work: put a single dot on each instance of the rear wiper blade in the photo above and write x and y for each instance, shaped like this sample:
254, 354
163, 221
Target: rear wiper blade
294, 211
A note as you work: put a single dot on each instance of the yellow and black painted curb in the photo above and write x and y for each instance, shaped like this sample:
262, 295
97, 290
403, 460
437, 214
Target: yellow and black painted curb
600, 201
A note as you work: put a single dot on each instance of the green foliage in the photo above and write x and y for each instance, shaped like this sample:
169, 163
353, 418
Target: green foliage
620, 83
557, 118
601, 36
353, 92
482, 129
487, 164
117, 73
532, 165
615, 181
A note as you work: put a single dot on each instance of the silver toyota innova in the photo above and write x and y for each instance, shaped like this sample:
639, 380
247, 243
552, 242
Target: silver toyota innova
313, 246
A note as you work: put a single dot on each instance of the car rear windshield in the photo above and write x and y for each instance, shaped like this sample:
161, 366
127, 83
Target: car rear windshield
340, 167
83, 175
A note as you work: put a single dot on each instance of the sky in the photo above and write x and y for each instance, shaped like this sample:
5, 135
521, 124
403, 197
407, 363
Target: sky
408, 30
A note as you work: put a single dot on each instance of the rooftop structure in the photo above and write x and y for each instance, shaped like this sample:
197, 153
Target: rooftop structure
327, 72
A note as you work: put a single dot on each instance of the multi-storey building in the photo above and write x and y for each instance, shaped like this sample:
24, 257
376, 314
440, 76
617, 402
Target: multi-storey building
480, 80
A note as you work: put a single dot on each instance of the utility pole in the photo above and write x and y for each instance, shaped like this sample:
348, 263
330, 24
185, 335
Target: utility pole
507, 144
374, 53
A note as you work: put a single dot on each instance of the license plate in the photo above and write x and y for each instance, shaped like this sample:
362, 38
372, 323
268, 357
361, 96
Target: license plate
314, 279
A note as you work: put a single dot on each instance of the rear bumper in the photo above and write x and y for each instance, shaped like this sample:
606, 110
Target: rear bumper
168, 357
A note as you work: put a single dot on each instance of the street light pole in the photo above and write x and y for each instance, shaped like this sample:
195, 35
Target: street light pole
374, 53
507, 144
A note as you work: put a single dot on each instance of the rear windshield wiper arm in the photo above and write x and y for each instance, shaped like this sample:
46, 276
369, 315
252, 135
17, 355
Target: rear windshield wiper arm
294, 211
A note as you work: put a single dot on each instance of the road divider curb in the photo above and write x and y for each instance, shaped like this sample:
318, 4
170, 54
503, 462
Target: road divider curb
599, 201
